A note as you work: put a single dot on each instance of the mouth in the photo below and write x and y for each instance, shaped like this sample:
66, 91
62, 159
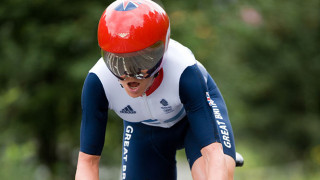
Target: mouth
133, 85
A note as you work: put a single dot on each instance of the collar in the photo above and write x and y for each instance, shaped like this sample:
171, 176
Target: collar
156, 83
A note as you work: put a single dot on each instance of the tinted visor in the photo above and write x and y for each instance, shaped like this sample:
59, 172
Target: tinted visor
140, 64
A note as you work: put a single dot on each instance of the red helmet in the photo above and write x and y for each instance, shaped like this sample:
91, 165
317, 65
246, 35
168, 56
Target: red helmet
133, 36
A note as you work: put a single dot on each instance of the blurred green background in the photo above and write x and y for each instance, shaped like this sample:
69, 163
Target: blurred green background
264, 56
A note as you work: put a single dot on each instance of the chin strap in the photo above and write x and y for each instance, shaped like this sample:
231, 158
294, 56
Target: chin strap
155, 75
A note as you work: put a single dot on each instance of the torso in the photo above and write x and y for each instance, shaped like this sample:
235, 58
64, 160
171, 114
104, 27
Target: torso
163, 106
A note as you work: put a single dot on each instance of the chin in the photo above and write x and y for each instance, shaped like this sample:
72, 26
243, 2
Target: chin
134, 95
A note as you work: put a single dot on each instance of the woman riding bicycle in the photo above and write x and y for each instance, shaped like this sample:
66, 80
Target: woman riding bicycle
166, 98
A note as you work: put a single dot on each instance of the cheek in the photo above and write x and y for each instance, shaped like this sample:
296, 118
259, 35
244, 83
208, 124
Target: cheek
122, 84
147, 83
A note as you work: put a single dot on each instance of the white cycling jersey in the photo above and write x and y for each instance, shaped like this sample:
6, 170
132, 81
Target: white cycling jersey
162, 107
182, 92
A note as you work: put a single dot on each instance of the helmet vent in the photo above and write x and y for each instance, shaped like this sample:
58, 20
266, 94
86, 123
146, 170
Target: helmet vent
123, 35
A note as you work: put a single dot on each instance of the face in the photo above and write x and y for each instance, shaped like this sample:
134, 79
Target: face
136, 87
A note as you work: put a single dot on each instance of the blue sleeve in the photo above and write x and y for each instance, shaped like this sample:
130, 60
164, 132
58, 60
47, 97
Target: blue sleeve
219, 104
94, 116
192, 90
222, 119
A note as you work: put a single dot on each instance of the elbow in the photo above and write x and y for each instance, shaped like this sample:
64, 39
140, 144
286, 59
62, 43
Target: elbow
212, 150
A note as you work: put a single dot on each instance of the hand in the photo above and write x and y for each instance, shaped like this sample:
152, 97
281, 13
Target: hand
213, 164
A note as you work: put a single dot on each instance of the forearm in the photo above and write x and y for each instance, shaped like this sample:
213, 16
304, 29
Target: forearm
88, 167
216, 167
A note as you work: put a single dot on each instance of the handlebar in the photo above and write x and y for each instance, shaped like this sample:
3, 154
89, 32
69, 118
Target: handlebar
239, 160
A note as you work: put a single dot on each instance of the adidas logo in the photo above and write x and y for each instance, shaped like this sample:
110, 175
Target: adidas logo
128, 110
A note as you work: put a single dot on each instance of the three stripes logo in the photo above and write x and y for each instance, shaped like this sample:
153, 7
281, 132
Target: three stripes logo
128, 110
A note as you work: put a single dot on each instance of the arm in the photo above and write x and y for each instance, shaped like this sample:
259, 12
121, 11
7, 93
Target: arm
214, 162
93, 127
224, 126
202, 122
88, 167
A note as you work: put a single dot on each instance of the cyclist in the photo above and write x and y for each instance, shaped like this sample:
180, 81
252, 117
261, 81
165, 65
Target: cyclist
167, 100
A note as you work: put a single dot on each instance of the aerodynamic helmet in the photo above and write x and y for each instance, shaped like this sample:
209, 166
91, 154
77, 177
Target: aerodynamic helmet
133, 37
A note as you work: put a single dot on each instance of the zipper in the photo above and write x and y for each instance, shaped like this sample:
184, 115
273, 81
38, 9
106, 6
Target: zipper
144, 96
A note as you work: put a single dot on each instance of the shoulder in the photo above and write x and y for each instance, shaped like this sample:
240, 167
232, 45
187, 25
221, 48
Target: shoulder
92, 80
177, 50
176, 59
101, 70
96, 77
109, 82
93, 93
193, 83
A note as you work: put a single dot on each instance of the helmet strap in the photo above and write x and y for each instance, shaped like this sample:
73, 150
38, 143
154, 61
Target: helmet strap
155, 75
